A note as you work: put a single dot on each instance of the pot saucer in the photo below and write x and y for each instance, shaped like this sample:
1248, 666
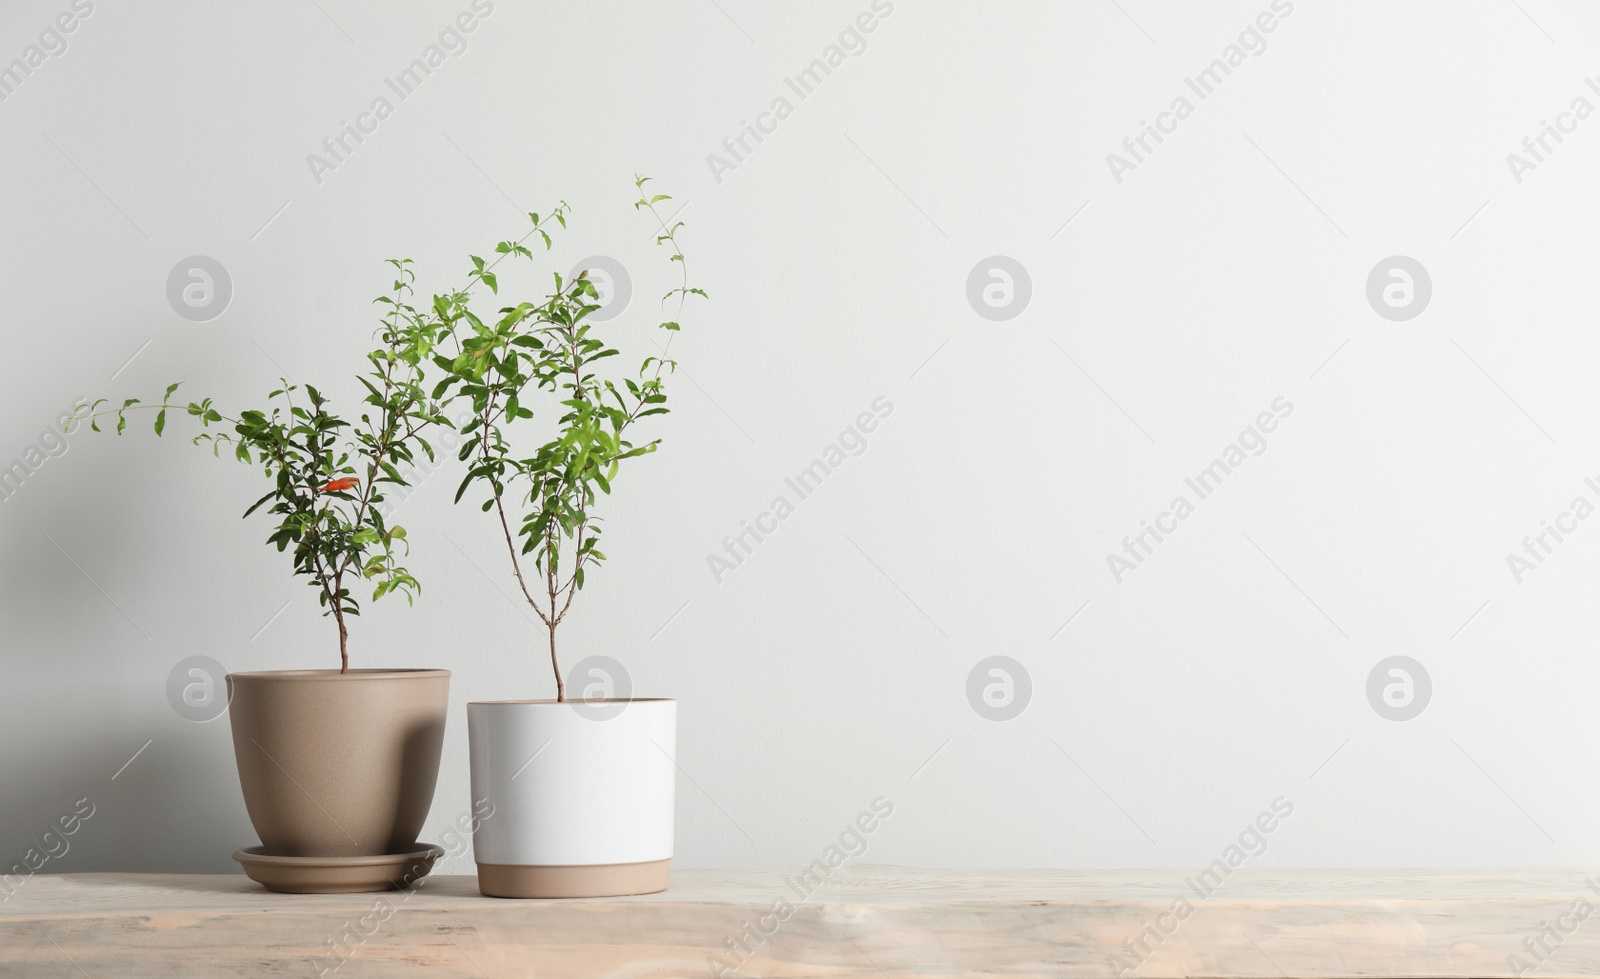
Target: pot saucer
337, 875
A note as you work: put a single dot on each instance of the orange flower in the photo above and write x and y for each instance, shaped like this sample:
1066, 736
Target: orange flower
343, 483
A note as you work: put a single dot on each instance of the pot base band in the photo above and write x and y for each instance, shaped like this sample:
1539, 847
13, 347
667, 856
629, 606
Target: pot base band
596, 880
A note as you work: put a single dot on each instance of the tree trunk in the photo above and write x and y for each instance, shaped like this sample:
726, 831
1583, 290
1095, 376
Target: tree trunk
344, 639
561, 687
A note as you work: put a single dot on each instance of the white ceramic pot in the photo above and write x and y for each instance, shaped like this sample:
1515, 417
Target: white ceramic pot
582, 796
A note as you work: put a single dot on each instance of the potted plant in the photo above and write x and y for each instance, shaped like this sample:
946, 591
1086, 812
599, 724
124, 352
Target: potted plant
593, 816
338, 767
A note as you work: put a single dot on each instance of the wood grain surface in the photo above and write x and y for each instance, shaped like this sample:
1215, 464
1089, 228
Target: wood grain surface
866, 922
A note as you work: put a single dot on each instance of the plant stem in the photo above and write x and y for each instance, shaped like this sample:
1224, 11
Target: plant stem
516, 566
561, 688
331, 594
374, 464
516, 569
322, 573
553, 621
670, 234
344, 640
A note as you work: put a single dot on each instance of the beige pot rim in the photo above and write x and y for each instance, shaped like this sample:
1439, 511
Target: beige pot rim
576, 702
358, 674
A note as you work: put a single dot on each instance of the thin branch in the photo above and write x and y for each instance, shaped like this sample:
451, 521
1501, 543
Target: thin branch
516, 566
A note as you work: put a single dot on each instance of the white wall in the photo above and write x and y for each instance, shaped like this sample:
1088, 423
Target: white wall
1221, 273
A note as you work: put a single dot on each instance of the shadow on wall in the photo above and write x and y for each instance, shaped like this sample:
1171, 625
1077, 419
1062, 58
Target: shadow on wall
100, 774
127, 793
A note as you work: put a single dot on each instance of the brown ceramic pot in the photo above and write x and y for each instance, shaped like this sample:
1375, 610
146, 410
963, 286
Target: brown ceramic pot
338, 764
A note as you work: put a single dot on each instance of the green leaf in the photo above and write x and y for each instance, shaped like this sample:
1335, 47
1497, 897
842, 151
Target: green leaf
257, 504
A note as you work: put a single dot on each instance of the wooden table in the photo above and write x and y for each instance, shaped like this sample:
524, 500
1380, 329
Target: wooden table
864, 922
